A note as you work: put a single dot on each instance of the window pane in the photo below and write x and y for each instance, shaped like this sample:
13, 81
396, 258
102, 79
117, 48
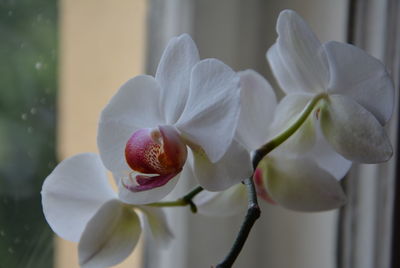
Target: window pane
28, 53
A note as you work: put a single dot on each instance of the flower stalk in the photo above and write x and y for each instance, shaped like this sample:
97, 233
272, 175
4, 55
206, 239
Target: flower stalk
253, 213
284, 135
253, 209
186, 200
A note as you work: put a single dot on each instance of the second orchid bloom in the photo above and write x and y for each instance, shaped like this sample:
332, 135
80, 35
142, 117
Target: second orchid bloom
338, 100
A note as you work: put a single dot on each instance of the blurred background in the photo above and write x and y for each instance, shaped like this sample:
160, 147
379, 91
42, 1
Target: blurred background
28, 90
61, 61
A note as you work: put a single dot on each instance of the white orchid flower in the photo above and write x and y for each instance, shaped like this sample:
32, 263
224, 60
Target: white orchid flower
80, 206
146, 128
295, 180
350, 92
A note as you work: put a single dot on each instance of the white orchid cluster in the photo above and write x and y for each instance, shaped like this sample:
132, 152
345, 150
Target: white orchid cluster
200, 120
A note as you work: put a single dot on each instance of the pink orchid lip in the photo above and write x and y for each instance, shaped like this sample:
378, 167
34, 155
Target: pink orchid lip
145, 183
260, 187
159, 151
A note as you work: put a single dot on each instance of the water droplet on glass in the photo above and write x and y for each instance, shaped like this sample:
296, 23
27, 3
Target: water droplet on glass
38, 65
33, 111
17, 240
2, 233
11, 250
10, 13
24, 116
30, 129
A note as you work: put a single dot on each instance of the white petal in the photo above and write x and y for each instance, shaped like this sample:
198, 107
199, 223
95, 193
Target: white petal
112, 146
232, 168
300, 53
155, 221
287, 112
299, 184
187, 172
258, 103
227, 203
145, 197
73, 192
135, 106
173, 75
354, 132
212, 111
284, 78
327, 158
360, 76
110, 236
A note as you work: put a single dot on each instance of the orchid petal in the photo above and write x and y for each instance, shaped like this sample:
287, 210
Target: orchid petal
227, 203
286, 113
212, 111
112, 144
301, 54
110, 236
173, 75
327, 158
134, 106
361, 77
285, 79
72, 194
258, 102
187, 172
353, 131
299, 184
155, 221
232, 168
143, 197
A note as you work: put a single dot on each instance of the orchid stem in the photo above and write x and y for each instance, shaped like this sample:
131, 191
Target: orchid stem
253, 210
284, 135
253, 213
186, 200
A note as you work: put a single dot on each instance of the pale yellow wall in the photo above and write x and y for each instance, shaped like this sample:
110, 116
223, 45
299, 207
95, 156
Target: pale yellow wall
102, 44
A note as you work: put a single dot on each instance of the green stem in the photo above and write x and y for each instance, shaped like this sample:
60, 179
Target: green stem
186, 200
177, 203
284, 135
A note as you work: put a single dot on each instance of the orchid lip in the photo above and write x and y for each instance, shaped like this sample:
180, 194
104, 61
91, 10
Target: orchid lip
156, 151
143, 183
160, 153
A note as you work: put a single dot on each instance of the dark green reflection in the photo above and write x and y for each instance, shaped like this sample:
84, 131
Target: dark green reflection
28, 68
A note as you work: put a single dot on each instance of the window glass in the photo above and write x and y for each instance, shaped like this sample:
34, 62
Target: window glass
28, 53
